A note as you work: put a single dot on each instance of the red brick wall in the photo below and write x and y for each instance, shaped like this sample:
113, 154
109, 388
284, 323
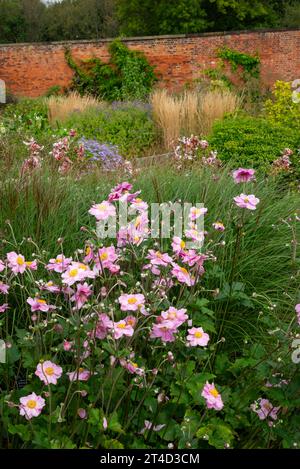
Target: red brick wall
31, 69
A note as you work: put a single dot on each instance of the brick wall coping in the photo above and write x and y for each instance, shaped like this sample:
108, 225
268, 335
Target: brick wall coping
150, 38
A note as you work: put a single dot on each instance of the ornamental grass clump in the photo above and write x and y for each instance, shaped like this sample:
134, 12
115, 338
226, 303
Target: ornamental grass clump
61, 107
191, 112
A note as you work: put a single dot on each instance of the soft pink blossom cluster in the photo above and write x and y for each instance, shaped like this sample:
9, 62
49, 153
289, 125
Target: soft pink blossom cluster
18, 264
34, 161
188, 147
212, 396
283, 163
84, 280
212, 160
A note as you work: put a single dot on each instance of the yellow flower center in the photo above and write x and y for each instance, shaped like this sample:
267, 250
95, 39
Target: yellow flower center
268, 406
172, 315
81, 370
159, 254
29, 263
104, 256
101, 207
43, 302
183, 270
49, 284
73, 272
246, 199
58, 261
82, 266
138, 200
31, 404
20, 261
214, 392
182, 244
49, 371
198, 334
132, 301
87, 250
122, 325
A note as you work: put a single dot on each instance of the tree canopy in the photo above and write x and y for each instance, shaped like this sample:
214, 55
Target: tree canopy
194, 16
33, 20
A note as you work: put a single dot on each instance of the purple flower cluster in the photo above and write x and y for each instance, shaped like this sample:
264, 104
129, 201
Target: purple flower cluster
105, 153
128, 105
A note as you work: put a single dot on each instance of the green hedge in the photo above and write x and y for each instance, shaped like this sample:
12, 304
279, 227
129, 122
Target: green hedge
252, 141
131, 128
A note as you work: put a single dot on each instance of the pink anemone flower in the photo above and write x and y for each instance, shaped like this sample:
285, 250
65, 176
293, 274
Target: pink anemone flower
31, 405
102, 211
79, 375
183, 275
132, 302
197, 336
82, 294
77, 272
246, 201
212, 396
121, 328
16, 262
164, 331
176, 316
38, 304
243, 175
48, 372
59, 264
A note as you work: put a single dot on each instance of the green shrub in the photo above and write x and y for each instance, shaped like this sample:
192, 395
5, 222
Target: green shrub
129, 127
281, 108
252, 141
28, 115
127, 76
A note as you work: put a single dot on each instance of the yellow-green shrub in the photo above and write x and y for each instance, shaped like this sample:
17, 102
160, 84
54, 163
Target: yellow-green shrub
281, 109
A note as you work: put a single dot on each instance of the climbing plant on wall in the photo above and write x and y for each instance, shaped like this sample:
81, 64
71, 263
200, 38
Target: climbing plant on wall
249, 64
246, 66
127, 76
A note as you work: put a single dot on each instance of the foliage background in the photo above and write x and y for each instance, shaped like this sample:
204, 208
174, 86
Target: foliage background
32, 20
